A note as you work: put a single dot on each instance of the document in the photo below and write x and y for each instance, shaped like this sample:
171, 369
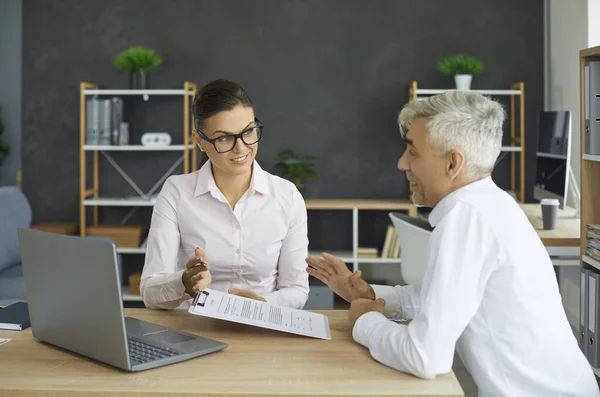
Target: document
223, 306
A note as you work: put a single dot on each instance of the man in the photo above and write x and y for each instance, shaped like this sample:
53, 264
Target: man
489, 290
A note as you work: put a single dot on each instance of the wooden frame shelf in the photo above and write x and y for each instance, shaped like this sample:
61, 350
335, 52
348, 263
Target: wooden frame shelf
590, 172
90, 197
356, 205
516, 149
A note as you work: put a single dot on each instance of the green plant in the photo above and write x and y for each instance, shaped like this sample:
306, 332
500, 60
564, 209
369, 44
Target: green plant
460, 64
4, 149
138, 59
294, 168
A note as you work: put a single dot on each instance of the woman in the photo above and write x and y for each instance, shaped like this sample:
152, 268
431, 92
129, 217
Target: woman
249, 223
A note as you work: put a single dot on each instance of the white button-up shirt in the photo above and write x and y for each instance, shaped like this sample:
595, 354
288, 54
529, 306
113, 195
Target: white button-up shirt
489, 291
261, 245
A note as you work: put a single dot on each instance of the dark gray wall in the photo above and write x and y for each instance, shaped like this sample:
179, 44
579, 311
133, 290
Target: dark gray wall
10, 86
327, 78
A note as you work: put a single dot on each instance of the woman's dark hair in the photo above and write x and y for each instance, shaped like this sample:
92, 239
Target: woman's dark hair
217, 96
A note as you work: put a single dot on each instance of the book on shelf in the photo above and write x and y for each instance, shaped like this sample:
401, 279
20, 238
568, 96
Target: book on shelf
104, 121
593, 252
391, 245
593, 243
385, 252
367, 252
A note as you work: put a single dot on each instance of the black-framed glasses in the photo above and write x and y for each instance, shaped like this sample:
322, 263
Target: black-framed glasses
227, 142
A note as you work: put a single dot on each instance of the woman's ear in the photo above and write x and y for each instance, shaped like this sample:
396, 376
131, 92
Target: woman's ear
198, 141
455, 164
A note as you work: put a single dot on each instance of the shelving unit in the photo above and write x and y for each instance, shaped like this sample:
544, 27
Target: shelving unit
516, 149
356, 205
590, 170
91, 196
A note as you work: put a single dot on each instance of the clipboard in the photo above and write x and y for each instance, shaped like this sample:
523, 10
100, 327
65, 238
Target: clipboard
239, 309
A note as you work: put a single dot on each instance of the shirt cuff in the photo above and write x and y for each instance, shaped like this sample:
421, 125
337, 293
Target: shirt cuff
362, 328
174, 288
393, 306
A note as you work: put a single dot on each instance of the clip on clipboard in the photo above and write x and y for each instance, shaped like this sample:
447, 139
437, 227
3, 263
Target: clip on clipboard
204, 294
238, 309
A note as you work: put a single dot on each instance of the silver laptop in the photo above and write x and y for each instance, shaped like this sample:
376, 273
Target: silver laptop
74, 299
413, 234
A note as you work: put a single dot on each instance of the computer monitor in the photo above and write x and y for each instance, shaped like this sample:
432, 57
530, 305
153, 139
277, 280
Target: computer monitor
553, 156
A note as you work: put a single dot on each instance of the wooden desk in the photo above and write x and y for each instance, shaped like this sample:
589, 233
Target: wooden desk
561, 243
567, 232
257, 362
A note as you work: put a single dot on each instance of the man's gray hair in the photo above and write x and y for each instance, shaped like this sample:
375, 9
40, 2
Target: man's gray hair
461, 120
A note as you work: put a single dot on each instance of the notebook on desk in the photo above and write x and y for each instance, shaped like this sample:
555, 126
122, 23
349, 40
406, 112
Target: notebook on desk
15, 317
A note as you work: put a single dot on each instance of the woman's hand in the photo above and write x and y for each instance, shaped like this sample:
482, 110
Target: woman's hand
196, 276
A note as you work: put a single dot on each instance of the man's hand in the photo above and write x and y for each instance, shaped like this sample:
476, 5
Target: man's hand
196, 276
246, 293
334, 273
362, 306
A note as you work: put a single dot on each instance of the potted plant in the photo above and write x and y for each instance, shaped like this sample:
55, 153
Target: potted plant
462, 67
4, 149
138, 61
295, 168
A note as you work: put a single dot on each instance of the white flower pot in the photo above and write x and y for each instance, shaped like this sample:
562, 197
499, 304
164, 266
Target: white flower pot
463, 81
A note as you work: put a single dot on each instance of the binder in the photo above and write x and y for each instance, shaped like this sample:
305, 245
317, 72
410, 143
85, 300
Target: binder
92, 122
583, 314
592, 328
592, 108
105, 132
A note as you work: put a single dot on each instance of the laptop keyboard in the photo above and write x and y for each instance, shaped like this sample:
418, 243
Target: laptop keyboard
140, 352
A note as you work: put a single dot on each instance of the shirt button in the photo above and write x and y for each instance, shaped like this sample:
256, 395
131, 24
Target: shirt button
238, 274
237, 251
237, 225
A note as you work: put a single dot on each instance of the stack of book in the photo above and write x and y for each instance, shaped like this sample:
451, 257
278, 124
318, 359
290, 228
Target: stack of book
367, 252
593, 244
104, 123
391, 245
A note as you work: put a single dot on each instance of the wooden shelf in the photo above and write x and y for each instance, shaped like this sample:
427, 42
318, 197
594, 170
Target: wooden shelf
436, 91
361, 204
134, 92
591, 157
135, 148
119, 202
511, 148
591, 261
551, 156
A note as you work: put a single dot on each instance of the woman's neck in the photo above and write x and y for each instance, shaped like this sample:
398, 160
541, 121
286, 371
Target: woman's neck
233, 187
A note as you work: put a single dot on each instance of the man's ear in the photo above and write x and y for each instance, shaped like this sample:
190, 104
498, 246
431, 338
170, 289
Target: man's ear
455, 163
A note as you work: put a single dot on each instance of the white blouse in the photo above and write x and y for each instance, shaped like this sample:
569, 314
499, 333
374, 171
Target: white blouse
261, 245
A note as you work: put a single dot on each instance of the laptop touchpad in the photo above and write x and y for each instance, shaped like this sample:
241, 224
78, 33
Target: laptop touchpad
169, 337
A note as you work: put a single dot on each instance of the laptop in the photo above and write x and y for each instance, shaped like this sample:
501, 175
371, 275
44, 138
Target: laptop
74, 298
413, 234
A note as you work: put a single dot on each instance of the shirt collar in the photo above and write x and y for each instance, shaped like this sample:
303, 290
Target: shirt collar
447, 203
206, 181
